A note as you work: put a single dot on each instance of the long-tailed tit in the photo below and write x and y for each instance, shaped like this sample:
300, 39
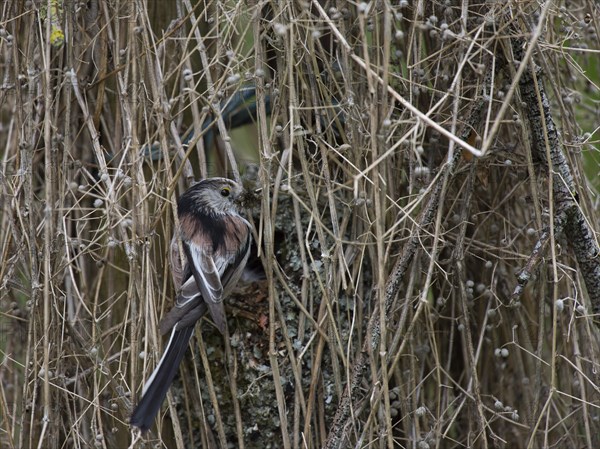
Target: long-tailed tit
215, 240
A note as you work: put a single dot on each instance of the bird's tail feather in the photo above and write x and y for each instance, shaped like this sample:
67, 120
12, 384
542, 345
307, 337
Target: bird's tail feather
156, 387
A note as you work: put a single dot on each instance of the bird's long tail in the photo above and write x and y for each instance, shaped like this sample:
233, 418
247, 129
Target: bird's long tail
156, 387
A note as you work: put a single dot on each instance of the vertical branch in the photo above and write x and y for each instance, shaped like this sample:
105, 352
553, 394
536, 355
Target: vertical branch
48, 219
546, 147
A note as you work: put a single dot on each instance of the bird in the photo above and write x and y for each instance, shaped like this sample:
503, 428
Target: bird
216, 241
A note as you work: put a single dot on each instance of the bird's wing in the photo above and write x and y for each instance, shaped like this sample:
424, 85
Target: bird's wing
209, 274
206, 276
205, 272
189, 304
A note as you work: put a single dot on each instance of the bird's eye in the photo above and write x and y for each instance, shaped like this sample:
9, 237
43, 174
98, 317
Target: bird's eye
225, 191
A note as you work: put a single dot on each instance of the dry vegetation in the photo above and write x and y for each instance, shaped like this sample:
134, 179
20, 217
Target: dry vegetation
429, 242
